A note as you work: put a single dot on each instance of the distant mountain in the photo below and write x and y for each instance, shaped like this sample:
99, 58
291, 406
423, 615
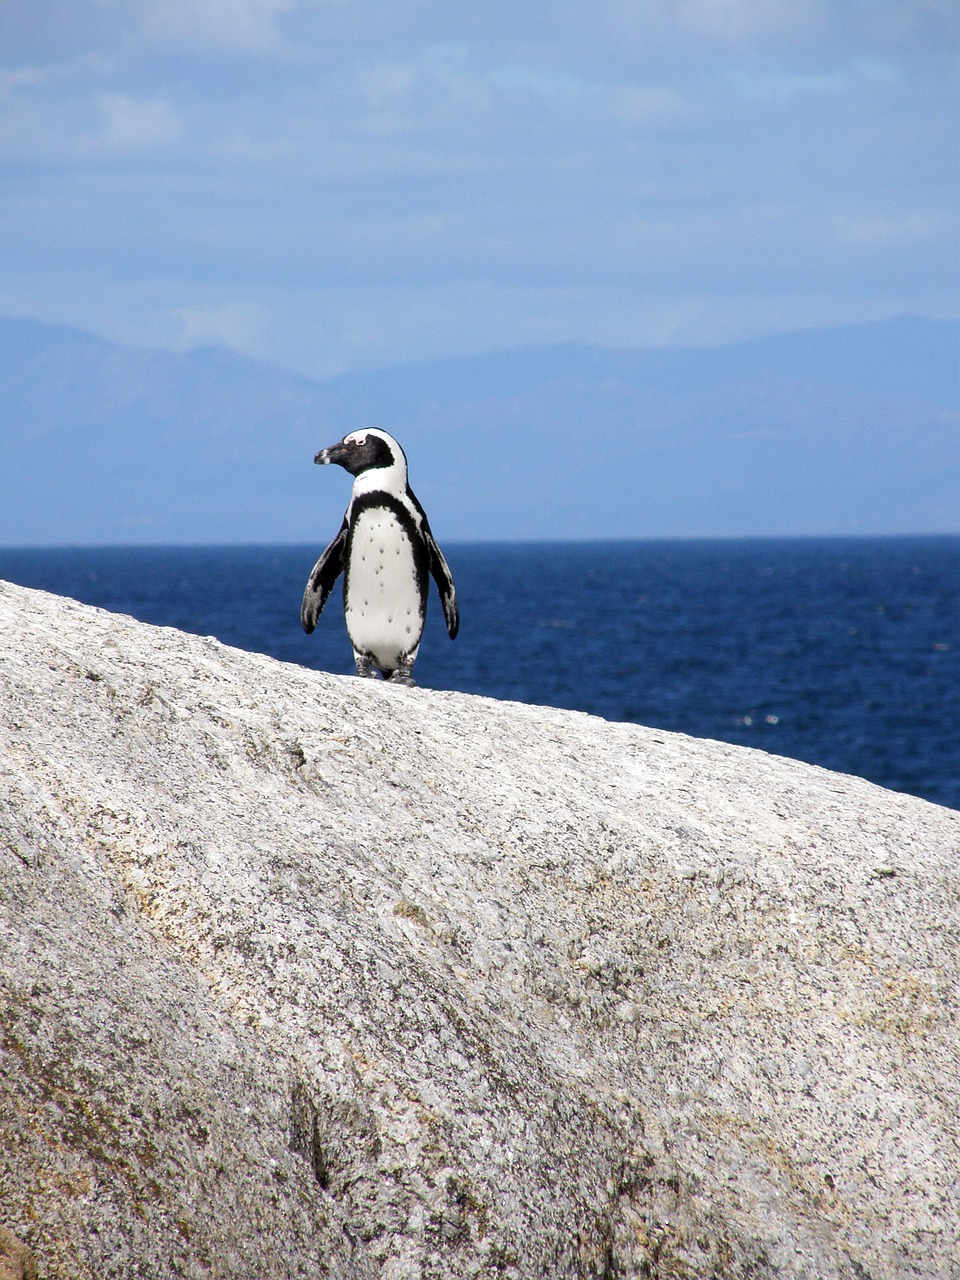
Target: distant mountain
854, 429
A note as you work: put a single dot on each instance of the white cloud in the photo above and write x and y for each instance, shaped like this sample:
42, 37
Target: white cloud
549, 85
19, 78
135, 124
67, 113
236, 325
872, 232
691, 29
780, 86
73, 129
51, 78
754, 22
636, 106
206, 25
434, 89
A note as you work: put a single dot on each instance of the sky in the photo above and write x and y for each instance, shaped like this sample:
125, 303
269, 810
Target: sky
340, 184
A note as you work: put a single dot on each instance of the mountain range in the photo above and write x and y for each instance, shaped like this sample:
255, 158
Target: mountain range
848, 430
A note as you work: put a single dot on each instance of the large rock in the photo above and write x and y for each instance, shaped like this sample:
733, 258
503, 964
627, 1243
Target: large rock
305, 976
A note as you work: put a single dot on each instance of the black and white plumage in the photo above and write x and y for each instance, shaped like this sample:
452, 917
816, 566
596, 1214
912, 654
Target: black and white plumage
386, 552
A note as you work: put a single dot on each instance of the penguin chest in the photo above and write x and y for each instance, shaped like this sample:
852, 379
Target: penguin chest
383, 590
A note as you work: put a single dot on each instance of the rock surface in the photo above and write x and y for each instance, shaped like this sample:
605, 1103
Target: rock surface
311, 976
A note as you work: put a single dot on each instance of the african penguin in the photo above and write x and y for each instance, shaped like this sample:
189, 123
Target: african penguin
385, 551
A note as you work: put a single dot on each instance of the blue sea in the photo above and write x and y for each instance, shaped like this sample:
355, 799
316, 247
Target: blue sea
841, 652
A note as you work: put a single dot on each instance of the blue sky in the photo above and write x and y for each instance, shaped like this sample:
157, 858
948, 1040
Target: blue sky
333, 184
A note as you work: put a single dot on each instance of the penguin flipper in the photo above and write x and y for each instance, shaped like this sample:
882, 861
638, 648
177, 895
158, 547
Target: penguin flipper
322, 577
444, 580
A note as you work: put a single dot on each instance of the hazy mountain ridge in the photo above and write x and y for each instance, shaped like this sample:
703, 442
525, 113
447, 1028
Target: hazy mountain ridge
854, 357
844, 430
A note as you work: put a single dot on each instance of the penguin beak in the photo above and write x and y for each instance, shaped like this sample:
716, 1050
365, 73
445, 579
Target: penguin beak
335, 453
353, 455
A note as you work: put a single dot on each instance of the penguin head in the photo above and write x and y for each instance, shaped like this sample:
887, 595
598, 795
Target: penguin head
368, 449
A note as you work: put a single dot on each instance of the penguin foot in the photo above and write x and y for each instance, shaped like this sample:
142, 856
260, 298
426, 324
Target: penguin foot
403, 674
365, 666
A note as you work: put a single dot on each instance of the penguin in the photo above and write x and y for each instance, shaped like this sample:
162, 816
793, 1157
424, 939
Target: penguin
385, 550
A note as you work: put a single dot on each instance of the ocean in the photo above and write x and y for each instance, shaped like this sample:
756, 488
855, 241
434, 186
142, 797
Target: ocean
841, 652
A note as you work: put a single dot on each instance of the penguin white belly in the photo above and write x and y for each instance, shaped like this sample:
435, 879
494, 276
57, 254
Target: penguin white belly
382, 604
